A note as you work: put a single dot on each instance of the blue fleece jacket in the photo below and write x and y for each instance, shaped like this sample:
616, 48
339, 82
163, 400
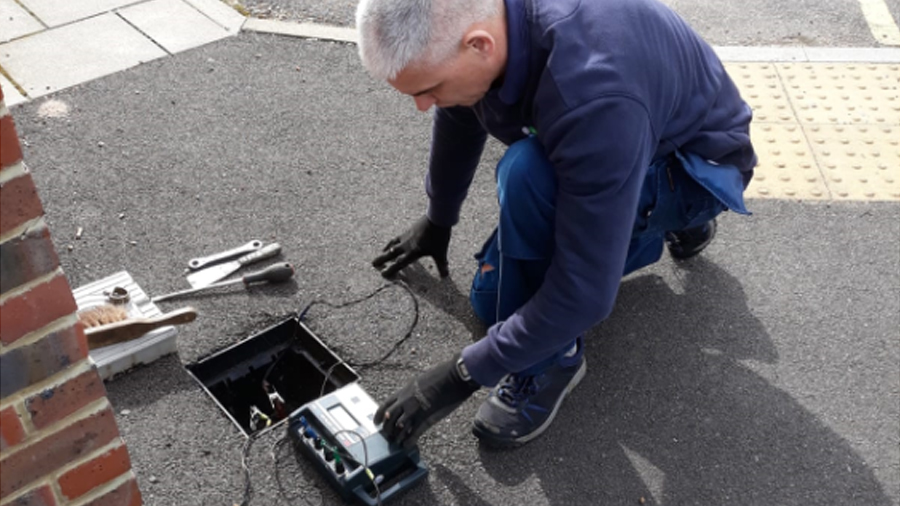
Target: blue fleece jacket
609, 86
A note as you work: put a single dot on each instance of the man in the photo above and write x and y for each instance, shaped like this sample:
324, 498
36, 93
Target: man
625, 133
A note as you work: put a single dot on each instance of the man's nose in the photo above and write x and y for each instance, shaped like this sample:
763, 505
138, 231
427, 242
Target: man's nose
424, 102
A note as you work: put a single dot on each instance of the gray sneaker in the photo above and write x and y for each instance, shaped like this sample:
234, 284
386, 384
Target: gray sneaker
520, 408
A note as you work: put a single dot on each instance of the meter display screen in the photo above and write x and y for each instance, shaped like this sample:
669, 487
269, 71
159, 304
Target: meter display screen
343, 418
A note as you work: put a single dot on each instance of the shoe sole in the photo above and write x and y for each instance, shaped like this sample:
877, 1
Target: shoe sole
490, 438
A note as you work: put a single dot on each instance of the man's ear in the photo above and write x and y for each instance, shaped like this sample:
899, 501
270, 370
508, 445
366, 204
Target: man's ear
481, 42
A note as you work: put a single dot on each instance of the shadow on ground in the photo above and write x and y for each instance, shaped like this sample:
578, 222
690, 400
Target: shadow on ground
668, 413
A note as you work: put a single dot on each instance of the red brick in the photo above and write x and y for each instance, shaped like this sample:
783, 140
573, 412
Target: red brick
11, 431
126, 494
19, 202
56, 450
41, 496
35, 308
103, 469
59, 401
26, 257
26, 365
10, 151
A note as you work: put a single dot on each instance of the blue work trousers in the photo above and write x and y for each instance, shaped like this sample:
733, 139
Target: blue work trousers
514, 260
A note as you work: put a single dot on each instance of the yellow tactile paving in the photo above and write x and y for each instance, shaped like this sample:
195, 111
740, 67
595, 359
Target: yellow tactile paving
843, 94
787, 167
823, 130
858, 161
762, 88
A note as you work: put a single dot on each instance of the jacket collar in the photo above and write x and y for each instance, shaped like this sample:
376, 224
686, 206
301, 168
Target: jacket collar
516, 73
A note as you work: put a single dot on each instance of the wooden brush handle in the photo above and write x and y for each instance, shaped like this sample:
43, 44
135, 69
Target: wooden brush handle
133, 328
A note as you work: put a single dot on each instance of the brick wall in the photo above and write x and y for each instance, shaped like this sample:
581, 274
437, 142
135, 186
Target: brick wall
59, 443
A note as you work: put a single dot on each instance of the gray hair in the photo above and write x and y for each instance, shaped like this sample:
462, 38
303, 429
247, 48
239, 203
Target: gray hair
395, 33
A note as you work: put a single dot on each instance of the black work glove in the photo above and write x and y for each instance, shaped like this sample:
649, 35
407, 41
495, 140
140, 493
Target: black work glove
424, 238
424, 402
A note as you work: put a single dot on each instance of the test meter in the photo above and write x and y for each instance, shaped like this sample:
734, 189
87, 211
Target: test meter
337, 433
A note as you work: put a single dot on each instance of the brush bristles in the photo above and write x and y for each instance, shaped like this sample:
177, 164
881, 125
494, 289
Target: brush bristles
102, 315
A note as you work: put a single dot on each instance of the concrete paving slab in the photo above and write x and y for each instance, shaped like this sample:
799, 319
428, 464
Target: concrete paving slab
853, 54
221, 13
15, 21
306, 30
72, 54
173, 24
11, 95
760, 54
800, 54
60, 12
763, 372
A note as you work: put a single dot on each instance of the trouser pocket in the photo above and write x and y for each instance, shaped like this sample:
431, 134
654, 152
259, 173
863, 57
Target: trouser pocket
695, 204
680, 201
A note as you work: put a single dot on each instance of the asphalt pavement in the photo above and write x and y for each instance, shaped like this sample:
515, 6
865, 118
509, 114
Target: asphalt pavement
765, 372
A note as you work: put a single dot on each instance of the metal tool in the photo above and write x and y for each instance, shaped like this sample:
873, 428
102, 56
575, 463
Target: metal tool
272, 274
198, 263
212, 274
118, 295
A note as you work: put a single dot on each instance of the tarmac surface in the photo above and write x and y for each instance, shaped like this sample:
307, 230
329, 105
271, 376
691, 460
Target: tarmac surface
766, 371
725, 22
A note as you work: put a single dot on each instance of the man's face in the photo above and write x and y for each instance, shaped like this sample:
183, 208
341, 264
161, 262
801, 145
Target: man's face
463, 80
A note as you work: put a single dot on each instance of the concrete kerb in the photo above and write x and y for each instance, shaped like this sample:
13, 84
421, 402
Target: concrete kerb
302, 30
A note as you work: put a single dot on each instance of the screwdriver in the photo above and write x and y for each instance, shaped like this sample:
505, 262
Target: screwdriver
273, 274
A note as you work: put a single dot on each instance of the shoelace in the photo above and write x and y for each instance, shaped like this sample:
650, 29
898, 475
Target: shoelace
518, 389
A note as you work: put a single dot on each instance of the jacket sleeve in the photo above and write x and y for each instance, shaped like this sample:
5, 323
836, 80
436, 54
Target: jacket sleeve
457, 142
600, 153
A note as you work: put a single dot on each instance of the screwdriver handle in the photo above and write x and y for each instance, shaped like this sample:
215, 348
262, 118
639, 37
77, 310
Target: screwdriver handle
273, 274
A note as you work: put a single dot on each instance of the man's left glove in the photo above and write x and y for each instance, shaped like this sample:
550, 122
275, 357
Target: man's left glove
424, 401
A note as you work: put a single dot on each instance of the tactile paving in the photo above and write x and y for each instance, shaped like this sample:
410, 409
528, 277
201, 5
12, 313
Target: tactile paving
858, 161
823, 130
787, 167
843, 93
762, 89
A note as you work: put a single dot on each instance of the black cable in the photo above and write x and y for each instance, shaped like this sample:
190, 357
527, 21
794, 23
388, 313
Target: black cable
248, 487
282, 493
365, 464
328, 376
370, 363
360, 365
397, 345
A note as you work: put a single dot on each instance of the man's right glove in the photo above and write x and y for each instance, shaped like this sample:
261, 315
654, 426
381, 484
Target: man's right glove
424, 402
424, 238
